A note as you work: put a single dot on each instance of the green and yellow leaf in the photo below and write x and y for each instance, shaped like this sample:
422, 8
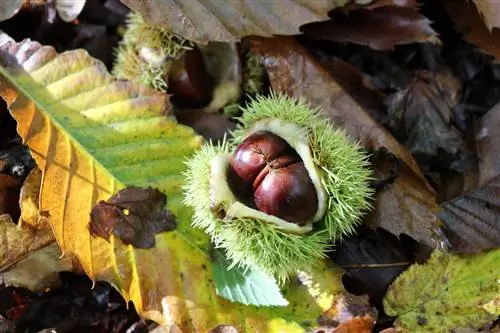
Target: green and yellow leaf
92, 135
445, 293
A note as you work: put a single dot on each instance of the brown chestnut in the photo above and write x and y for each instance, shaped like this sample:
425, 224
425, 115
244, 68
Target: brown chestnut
189, 81
265, 172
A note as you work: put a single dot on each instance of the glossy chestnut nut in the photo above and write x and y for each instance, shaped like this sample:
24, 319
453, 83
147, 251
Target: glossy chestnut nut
189, 81
265, 172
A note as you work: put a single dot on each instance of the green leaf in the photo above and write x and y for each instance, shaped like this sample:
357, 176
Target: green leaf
92, 135
445, 293
245, 286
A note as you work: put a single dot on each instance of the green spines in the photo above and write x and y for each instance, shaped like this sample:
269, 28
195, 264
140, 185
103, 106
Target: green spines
253, 243
145, 52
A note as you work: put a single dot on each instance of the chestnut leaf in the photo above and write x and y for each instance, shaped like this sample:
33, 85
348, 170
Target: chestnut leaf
244, 286
445, 293
93, 135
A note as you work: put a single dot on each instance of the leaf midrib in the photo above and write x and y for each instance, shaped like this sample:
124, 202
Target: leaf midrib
41, 107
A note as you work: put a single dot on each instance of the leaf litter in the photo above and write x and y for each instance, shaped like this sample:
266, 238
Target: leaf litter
397, 171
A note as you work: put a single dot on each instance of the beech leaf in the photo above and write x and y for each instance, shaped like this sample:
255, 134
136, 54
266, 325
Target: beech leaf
92, 136
379, 27
228, 21
469, 21
445, 293
471, 220
245, 286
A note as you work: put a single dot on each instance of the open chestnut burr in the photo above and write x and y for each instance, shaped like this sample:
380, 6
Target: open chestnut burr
266, 173
281, 190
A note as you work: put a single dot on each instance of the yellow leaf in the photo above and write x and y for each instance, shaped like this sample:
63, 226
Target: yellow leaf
92, 135
28, 251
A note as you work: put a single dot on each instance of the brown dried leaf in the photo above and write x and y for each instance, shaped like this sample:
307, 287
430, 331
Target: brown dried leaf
133, 214
490, 11
30, 255
377, 4
407, 206
472, 221
32, 233
381, 28
421, 117
39, 270
469, 22
228, 21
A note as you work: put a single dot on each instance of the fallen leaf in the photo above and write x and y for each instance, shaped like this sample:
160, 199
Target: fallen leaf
17, 242
228, 21
355, 5
30, 257
469, 22
360, 324
245, 285
421, 117
488, 145
343, 310
9, 8
490, 12
32, 232
372, 260
471, 220
92, 136
445, 293
134, 215
408, 205
39, 271
380, 28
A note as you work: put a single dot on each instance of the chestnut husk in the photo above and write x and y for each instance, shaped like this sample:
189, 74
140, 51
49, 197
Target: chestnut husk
251, 238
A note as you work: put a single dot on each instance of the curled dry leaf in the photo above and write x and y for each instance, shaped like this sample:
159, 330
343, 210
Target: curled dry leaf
407, 206
421, 117
228, 21
469, 22
380, 28
344, 312
471, 220
30, 257
92, 136
372, 260
490, 11
39, 271
32, 233
134, 215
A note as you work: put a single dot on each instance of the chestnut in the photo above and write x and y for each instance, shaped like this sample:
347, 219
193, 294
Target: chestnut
267, 173
189, 81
